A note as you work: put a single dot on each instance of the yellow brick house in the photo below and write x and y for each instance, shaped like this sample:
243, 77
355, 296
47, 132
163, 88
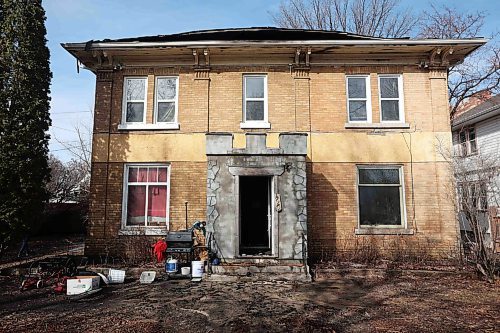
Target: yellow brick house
285, 141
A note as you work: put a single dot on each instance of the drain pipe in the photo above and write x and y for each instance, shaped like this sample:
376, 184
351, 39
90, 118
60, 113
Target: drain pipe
186, 206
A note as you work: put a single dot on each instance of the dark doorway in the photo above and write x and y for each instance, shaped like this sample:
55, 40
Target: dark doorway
255, 215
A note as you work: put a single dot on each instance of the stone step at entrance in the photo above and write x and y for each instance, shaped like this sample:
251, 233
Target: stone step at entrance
242, 272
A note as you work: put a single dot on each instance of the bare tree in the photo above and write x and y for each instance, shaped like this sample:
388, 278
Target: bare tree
378, 18
477, 198
73, 178
68, 182
480, 72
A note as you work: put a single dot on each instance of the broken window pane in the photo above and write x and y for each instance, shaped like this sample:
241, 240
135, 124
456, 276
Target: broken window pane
166, 112
136, 205
357, 111
166, 89
135, 112
136, 89
379, 205
390, 110
254, 87
389, 87
255, 110
356, 87
379, 176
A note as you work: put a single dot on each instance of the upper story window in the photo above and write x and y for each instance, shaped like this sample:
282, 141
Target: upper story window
358, 98
381, 196
391, 98
166, 99
134, 99
255, 102
467, 138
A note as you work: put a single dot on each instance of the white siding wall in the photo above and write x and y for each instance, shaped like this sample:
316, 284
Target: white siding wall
488, 136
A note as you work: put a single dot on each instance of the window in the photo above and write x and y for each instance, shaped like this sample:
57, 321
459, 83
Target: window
166, 96
391, 98
380, 192
473, 196
146, 195
467, 137
358, 98
134, 99
255, 101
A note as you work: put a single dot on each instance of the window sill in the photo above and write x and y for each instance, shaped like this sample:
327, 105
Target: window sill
376, 125
259, 124
383, 231
148, 127
137, 231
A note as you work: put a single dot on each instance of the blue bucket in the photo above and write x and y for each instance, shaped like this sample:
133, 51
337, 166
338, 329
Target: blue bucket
171, 265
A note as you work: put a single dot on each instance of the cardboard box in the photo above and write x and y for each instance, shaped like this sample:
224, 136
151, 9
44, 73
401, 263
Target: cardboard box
80, 284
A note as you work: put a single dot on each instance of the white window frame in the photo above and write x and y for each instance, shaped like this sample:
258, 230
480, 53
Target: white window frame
125, 195
402, 197
124, 100
367, 99
255, 123
465, 148
400, 98
175, 100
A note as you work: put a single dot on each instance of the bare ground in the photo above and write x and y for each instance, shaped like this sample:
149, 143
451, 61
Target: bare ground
410, 303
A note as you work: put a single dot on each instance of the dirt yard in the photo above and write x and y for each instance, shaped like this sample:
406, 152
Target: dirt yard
413, 303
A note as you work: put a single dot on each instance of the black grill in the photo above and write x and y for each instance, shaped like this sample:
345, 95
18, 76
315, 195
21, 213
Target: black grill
179, 242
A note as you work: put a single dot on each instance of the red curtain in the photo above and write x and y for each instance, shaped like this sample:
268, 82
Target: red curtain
157, 204
136, 205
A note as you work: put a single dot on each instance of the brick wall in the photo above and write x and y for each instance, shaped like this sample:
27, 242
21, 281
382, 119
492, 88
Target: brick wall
311, 101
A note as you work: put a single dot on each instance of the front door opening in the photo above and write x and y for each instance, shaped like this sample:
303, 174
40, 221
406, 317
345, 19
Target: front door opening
255, 215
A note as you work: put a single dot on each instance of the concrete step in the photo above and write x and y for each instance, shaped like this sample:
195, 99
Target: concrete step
239, 272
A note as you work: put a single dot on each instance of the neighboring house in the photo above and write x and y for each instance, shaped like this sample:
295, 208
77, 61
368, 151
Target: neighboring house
284, 140
476, 140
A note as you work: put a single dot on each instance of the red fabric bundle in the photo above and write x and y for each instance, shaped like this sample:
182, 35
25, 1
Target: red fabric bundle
159, 250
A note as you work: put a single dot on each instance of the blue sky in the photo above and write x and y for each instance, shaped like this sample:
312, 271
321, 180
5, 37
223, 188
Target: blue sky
82, 20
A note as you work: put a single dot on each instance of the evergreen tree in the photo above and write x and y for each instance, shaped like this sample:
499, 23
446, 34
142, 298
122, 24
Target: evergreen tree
24, 116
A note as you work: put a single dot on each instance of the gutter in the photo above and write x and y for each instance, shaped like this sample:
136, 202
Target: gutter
133, 45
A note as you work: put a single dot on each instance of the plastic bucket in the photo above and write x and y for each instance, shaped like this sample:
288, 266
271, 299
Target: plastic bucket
171, 265
197, 269
185, 270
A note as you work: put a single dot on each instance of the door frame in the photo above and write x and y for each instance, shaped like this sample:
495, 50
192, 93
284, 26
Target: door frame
273, 233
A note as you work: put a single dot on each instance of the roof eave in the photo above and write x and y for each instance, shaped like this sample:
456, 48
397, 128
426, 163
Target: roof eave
238, 43
476, 118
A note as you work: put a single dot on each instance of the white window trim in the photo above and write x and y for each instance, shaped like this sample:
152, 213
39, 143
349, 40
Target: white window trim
402, 203
124, 100
368, 99
400, 98
134, 229
175, 100
468, 147
255, 123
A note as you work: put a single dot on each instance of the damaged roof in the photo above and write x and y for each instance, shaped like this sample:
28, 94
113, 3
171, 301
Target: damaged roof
248, 34
270, 45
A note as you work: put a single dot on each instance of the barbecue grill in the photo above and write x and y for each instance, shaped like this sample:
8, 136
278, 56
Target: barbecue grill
179, 242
